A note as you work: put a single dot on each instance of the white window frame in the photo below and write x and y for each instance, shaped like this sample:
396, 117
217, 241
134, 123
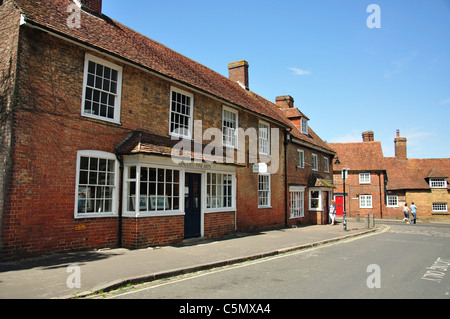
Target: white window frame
264, 191
223, 182
230, 134
365, 201
438, 183
300, 159
117, 95
364, 178
264, 138
115, 189
326, 163
392, 201
137, 180
319, 199
189, 116
440, 207
297, 202
315, 162
304, 126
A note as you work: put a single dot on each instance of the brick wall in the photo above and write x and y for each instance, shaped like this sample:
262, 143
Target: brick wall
424, 200
49, 130
219, 224
354, 189
301, 176
39, 216
152, 231
249, 216
9, 31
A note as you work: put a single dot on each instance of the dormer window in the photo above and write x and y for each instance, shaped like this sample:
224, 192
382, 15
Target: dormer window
304, 126
438, 183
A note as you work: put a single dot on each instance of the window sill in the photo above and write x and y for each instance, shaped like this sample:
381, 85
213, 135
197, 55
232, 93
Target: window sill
99, 118
95, 215
219, 210
152, 214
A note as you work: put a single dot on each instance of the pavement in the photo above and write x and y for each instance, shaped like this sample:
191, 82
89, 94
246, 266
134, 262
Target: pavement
103, 270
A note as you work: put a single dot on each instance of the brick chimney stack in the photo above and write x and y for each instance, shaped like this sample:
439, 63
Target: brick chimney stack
93, 6
368, 136
238, 72
285, 101
400, 147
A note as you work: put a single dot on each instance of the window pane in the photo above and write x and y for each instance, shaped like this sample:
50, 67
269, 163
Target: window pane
159, 189
95, 185
180, 114
101, 87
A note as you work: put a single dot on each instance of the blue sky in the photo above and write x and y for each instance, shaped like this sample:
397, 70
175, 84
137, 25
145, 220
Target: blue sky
346, 77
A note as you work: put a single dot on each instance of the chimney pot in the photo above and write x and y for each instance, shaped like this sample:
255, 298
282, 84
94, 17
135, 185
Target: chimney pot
238, 72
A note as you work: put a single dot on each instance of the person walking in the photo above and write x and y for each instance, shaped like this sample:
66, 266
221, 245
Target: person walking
406, 213
413, 213
333, 211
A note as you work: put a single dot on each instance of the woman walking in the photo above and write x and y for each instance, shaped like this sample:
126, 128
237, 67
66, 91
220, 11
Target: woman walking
406, 213
333, 211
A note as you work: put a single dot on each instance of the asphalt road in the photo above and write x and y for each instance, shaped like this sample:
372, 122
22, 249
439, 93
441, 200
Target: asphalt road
406, 261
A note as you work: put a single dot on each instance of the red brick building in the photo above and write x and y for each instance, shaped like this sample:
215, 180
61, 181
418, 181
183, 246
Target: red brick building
365, 186
309, 169
92, 116
382, 185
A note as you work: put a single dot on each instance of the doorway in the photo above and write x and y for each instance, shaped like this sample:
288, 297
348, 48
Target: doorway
192, 205
339, 205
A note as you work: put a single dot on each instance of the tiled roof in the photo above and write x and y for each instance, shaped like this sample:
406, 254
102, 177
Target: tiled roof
401, 174
359, 156
294, 115
107, 35
414, 173
311, 138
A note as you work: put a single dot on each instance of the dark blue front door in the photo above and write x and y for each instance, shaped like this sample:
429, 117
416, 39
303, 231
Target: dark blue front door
192, 205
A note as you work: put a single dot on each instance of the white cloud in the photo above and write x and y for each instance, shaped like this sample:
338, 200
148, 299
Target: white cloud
298, 71
447, 101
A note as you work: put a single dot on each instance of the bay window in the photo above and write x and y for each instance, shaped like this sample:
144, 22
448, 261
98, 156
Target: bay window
152, 190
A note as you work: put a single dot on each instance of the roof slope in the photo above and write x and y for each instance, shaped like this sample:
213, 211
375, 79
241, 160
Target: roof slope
401, 174
359, 156
414, 173
312, 139
110, 36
